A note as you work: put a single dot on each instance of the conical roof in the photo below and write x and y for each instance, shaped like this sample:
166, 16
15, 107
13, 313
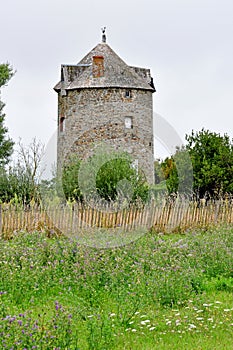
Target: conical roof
116, 73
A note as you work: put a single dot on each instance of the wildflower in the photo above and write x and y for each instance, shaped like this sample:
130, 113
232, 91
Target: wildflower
134, 330
151, 328
192, 326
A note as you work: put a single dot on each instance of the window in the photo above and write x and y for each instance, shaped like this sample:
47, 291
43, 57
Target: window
63, 92
98, 66
62, 124
128, 94
128, 123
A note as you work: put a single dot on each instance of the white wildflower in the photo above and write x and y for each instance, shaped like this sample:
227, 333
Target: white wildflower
191, 326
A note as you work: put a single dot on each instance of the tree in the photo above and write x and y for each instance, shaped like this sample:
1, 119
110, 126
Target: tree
15, 185
158, 171
105, 178
6, 144
170, 174
117, 179
211, 167
70, 185
212, 160
20, 181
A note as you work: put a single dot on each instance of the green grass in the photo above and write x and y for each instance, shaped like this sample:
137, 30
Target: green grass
160, 292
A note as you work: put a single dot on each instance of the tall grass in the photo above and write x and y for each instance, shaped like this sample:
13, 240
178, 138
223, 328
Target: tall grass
162, 291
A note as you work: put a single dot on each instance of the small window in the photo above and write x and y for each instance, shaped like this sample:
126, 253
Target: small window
62, 124
128, 123
128, 94
63, 92
62, 75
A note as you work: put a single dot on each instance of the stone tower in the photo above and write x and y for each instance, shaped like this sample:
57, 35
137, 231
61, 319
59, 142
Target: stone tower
102, 99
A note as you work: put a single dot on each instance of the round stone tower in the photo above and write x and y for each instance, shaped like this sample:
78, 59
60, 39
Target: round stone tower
103, 100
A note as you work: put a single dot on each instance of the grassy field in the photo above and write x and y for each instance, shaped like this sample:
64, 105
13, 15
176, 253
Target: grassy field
160, 292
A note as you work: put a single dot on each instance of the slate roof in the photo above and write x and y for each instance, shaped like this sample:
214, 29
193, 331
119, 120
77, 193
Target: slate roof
116, 73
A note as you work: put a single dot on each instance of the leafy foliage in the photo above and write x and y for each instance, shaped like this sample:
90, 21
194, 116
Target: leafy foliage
108, 179
16, 185
6, 144
212, 159
211, 165
6, 73
19, 182
158, 171
70, 185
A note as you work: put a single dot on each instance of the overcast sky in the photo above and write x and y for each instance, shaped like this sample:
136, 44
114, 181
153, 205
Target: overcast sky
187, 44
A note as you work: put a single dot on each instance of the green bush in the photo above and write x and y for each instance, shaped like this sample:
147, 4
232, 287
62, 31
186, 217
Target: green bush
104, 178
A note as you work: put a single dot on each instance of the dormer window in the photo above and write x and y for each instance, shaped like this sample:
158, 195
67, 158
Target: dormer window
98, 66
128, 94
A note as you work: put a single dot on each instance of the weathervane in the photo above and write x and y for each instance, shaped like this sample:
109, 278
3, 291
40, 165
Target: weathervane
103, 35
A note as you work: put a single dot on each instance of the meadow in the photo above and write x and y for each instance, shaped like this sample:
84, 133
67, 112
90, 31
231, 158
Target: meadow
160, 292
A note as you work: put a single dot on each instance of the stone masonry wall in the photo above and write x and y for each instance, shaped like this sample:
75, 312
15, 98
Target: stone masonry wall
96, 116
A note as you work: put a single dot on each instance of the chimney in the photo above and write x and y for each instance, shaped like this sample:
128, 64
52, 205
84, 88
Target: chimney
98, 66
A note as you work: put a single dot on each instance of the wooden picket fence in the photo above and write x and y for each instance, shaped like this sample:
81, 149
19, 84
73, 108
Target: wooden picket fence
163, 217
